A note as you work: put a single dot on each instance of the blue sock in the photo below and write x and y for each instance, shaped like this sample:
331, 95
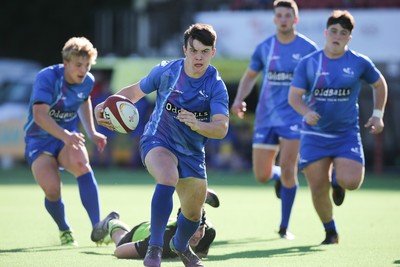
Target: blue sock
276, 172
287, 196
334, 181
330, 226
89, 196
161, 208
57, 211
184, 232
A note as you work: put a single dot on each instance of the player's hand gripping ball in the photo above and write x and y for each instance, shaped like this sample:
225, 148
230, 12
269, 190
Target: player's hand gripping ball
122, 112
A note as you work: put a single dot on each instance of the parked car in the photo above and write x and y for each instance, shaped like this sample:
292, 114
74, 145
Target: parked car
16, 80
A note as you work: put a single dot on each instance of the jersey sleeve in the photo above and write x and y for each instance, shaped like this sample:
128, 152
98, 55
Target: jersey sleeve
371, 73
256, 62
220, 99
43, 88
151, 82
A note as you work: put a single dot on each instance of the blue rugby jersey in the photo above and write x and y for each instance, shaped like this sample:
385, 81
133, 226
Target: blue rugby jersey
332, 88
277, 62
64, 99
204, 96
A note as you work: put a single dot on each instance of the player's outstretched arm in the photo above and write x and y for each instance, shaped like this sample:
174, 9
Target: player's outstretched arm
375, 122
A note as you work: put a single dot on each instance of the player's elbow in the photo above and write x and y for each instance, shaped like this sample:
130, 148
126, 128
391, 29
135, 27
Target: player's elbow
223, 131
221, 126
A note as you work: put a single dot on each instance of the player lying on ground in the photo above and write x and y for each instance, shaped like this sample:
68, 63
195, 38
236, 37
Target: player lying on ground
133, 244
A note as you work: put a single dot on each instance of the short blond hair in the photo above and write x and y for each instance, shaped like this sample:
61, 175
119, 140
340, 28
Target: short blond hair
79, 46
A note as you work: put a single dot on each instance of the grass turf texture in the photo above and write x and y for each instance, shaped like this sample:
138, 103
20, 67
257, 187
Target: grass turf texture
246, 223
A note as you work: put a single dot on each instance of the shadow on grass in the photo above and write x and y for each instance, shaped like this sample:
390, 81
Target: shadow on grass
96, 253
236, 242
35, 249
51, 248
268, 253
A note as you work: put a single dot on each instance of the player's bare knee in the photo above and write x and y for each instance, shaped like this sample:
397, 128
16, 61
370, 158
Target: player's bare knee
52, 195
118, 254
353, 185
80, 167
262, 177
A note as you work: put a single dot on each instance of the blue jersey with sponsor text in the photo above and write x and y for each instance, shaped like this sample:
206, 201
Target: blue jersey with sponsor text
64, 99
204, 96
277, 62
332, 88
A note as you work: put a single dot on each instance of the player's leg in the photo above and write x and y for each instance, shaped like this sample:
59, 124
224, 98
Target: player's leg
162, 165
349, 158
76, 161
317, 174
351, 176
45, 170
127, 251
265, 150
212, 198
264, 162
338, 192
122, 237
100, 232
192, 194
288, 158
349, 173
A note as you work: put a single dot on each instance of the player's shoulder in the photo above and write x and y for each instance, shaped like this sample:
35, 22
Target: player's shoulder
167, 67
167, 64
354, 55
306, 40
267, 41
313, 56
51, 71
212, 70
90, 79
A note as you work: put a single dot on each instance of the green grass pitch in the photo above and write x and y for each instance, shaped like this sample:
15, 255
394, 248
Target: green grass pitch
246, 223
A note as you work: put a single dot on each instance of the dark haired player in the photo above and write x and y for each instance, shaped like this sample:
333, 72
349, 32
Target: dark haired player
191, 106
325, 90
276, 128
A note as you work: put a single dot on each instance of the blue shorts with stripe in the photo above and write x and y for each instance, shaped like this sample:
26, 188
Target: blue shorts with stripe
188, 165
271, 135
314, 146
36, 146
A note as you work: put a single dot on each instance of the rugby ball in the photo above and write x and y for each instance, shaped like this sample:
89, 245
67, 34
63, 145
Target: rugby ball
122, 112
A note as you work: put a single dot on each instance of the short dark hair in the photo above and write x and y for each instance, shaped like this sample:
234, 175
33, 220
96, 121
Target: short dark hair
288, 4
342, 17
204, 33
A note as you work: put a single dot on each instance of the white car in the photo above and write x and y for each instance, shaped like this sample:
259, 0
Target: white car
16, 80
